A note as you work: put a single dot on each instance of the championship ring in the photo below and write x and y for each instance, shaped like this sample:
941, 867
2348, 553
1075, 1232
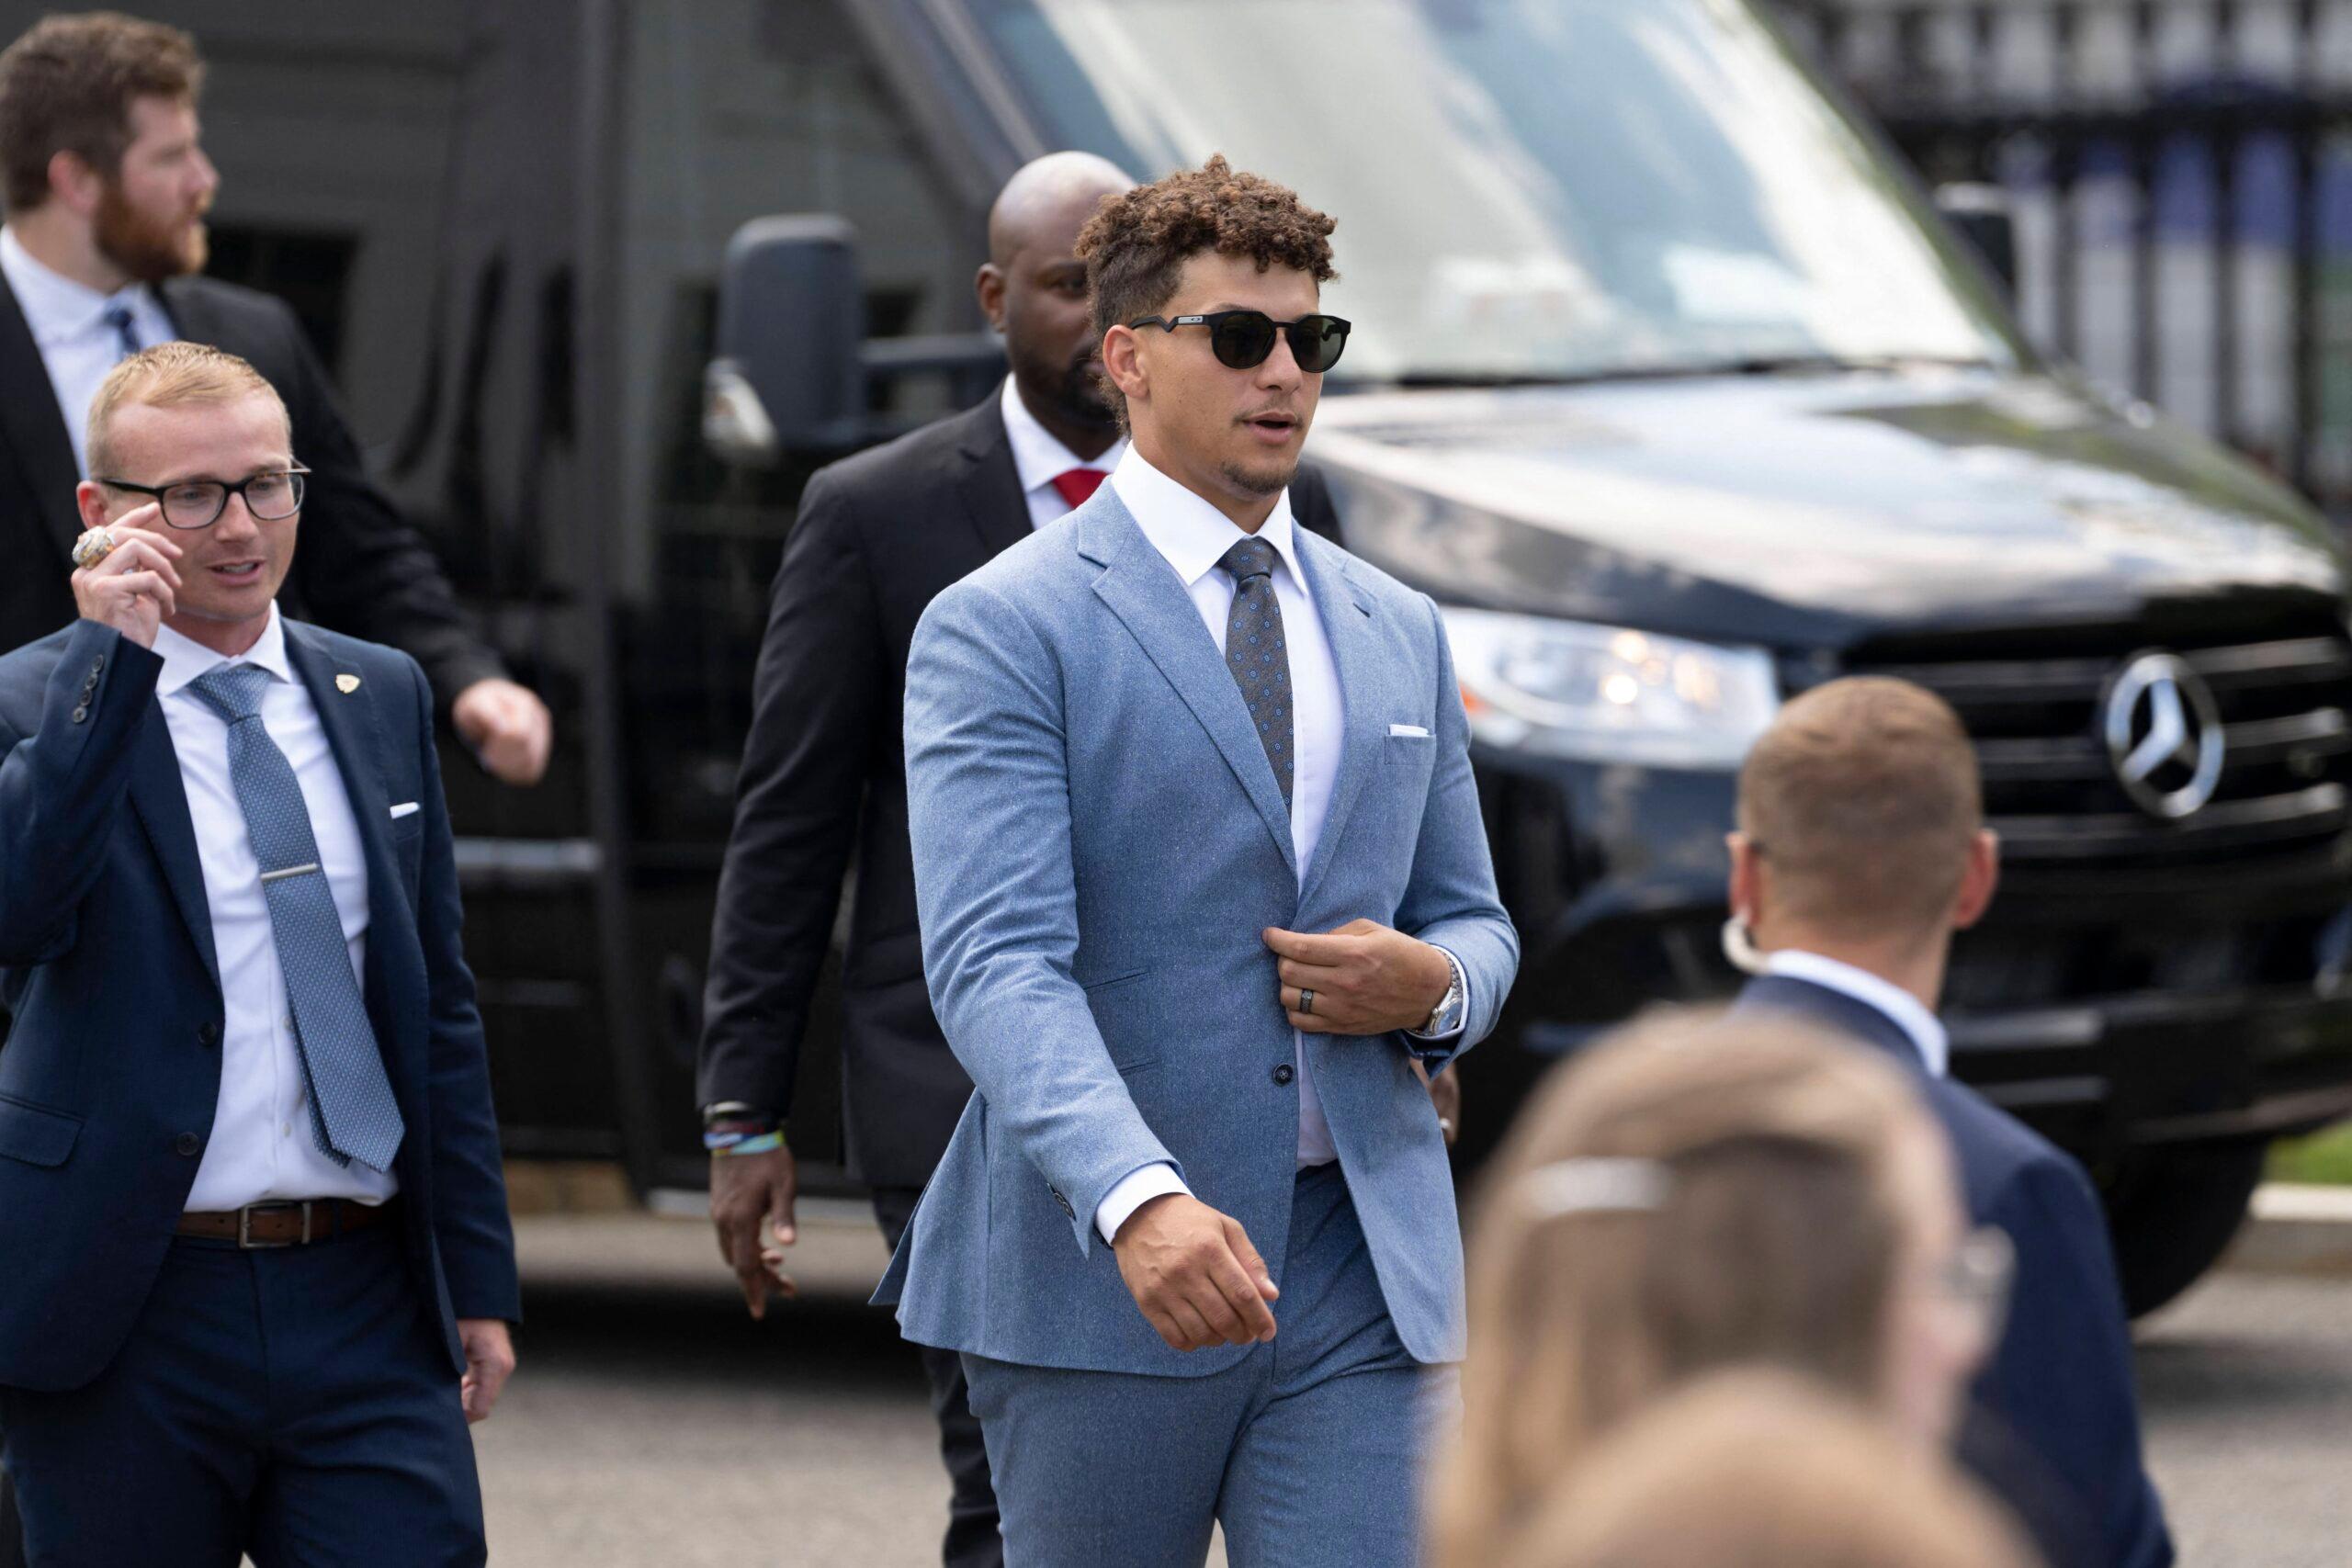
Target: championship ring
93, 546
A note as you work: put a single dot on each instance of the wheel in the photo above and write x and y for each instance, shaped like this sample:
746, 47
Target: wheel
2173, 1213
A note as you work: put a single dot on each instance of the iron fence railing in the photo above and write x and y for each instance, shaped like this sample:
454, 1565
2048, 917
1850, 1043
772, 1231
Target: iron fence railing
2181, 171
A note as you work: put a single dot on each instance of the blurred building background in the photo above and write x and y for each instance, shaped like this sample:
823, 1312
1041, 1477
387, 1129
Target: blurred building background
2181, 177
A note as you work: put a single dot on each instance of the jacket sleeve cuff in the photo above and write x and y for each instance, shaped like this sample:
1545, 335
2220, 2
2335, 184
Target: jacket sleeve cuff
1132, 1192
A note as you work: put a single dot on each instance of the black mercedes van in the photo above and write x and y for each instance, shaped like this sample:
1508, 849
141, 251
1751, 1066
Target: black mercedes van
1679, 398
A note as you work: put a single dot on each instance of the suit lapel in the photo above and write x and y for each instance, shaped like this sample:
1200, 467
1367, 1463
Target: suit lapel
35, 428
160, 797
1346, 612
990, 488
1143, 591
356, 740
180, 304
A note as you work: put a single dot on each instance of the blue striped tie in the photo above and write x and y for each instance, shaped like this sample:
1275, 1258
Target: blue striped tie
353, 1113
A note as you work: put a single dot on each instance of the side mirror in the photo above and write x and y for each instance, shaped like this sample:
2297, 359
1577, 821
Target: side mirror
791, 329
1982, 213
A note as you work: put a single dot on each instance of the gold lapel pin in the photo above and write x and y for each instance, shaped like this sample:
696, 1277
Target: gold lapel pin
346, 684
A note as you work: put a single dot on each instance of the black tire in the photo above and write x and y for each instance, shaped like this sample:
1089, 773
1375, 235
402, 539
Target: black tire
2174, 1213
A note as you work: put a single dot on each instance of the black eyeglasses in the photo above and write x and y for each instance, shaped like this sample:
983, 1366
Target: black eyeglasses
198, 504
1242, 339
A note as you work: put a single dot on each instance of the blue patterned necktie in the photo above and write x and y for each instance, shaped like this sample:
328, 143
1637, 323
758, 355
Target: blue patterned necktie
1257, 653
353, 1114
126, 336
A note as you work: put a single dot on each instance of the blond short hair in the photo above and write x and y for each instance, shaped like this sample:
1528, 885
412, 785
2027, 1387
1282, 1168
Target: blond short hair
1777, 1244
173, 375
1864, 798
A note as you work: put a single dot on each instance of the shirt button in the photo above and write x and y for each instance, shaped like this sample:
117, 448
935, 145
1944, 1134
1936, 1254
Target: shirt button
1283, 1074
209, 1033
187, 1144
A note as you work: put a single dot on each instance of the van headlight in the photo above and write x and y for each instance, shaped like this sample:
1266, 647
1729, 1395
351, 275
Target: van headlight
1608, 694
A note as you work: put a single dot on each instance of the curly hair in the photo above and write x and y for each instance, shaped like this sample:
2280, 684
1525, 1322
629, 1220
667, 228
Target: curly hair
1136, 245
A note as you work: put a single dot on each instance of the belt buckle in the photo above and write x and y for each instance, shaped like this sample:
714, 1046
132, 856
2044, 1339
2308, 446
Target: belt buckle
245, 1242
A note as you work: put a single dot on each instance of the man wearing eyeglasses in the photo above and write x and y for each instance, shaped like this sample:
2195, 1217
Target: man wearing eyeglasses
1861, 850
107, 188
251, 1204
1203, 883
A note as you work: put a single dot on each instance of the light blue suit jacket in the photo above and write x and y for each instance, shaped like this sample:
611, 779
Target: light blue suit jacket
1099, 843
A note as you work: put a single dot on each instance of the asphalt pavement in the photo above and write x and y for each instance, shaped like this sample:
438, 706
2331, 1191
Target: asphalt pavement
653, 1422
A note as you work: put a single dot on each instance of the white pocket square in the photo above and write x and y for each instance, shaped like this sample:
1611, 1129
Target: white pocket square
1415, 730
405, 808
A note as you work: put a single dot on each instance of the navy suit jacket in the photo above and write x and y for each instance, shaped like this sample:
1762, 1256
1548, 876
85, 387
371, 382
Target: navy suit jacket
2059, 1384
112, 1069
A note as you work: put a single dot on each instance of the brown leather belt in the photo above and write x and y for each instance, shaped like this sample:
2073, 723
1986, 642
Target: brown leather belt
288, 1224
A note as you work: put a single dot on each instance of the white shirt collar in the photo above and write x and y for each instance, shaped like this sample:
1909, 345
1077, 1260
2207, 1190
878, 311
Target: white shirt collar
185, 660
1190, 532
1038, 455
1927, 1032
56, 308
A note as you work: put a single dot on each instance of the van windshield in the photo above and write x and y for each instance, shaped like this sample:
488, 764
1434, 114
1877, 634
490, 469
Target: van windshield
1527, 189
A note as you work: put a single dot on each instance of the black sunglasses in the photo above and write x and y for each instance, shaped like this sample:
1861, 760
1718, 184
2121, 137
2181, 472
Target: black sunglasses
1242, 339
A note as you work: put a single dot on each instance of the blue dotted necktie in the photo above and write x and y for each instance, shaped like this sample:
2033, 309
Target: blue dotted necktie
126, 337
353, 1113
1256, 651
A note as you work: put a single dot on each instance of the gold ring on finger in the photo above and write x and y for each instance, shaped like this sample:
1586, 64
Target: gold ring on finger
93, 546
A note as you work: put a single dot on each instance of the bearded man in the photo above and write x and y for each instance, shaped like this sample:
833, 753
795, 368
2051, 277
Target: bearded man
107, 186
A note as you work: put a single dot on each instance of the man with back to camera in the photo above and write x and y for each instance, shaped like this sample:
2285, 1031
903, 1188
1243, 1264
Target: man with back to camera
879, 535
1861, 850
1201, 875
259, 1256
107, 188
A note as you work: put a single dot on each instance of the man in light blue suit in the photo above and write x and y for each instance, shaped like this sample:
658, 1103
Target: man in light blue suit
1204, 887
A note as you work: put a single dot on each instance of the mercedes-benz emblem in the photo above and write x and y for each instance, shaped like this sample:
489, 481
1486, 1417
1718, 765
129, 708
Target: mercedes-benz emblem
2165, 735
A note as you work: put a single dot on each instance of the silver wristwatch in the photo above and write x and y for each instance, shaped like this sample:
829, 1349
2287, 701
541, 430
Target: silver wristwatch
1448, 1002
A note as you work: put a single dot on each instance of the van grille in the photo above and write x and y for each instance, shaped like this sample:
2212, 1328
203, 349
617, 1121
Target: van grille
2053, 791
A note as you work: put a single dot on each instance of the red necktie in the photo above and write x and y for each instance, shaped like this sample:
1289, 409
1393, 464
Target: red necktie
1077, 484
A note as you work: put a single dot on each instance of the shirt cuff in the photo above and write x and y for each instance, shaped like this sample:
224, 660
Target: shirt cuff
1453, 1022
1133, 1191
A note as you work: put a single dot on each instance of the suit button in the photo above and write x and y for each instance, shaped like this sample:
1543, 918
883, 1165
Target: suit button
187, 1144
209, 1033
82, 714
1283, 1074
97, 664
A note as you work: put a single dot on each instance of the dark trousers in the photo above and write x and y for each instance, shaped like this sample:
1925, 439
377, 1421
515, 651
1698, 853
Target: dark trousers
972, 1538
292, 1404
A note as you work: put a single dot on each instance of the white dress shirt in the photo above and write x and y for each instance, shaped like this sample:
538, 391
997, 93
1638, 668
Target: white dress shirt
262, 1147
1194, 537
77, 344
1039, 457
1927, 1030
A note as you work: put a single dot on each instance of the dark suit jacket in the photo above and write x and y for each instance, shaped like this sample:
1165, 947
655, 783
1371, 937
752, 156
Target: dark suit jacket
360, 567
824, 772
109, 1081
2060, 1385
